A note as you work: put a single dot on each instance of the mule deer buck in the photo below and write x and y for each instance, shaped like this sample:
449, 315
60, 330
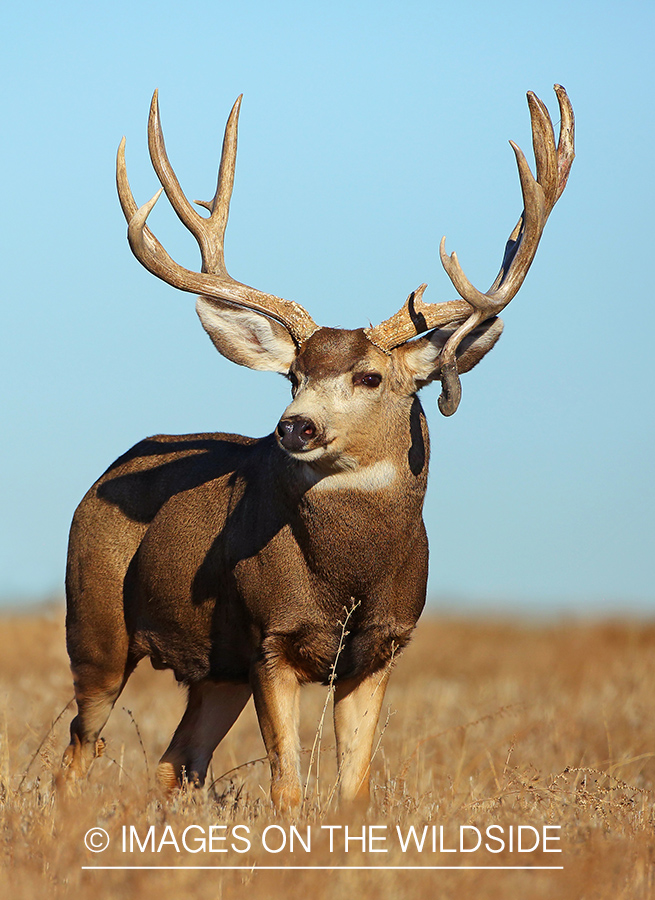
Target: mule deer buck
232, 560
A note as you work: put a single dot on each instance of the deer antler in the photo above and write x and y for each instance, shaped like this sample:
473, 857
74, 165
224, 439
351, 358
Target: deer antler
213, 279
539, 196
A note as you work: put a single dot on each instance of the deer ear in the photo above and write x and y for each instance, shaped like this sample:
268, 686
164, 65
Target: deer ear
246, 337
421, 357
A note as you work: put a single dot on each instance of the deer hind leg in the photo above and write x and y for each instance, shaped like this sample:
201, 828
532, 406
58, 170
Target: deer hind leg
212, 709
357, 704
97, 687
277, 698
98, 644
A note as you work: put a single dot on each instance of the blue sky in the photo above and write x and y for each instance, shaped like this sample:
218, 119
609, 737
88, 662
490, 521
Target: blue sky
368, 130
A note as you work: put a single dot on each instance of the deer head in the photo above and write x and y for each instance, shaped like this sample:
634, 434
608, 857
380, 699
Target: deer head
368, 369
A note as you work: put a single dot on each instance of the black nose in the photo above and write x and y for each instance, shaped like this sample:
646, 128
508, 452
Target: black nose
296, 432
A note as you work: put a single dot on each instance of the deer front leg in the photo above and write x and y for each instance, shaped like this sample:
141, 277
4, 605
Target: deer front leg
357, 704
276, 691
212, 709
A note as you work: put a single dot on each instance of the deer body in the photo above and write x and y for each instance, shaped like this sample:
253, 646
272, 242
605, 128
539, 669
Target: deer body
251, 566
235, 556
250, 557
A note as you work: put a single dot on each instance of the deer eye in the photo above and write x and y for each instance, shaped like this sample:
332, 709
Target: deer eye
294, 381
369, 379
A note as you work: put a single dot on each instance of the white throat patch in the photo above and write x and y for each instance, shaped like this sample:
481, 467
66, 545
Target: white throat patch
374, 477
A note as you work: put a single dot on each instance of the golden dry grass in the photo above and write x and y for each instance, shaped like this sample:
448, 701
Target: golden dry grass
488, 723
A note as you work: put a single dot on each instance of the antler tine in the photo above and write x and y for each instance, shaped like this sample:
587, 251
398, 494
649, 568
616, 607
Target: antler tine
209, 232
543, 144
566, 142
553, 165
540, 194
125, 195
167, 177
219, 205
213, 280
517, 259
136, 216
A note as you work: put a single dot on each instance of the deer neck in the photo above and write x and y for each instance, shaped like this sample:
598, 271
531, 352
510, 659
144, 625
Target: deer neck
343, 517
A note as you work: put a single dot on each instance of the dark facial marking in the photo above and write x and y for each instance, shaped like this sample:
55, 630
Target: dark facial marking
332, 351
416, 453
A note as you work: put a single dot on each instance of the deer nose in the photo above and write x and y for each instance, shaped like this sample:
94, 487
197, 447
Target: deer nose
296, 432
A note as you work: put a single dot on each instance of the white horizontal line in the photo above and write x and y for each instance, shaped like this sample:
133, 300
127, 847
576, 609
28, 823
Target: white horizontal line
326, 868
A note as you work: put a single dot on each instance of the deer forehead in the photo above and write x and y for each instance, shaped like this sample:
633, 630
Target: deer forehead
331, 352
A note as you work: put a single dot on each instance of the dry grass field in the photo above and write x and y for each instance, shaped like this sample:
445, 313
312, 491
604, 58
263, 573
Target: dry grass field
486, 723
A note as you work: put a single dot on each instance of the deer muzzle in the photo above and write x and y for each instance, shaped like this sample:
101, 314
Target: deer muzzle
298, 434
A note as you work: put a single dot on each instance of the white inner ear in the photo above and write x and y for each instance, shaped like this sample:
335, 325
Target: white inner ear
421, 357
246, 337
